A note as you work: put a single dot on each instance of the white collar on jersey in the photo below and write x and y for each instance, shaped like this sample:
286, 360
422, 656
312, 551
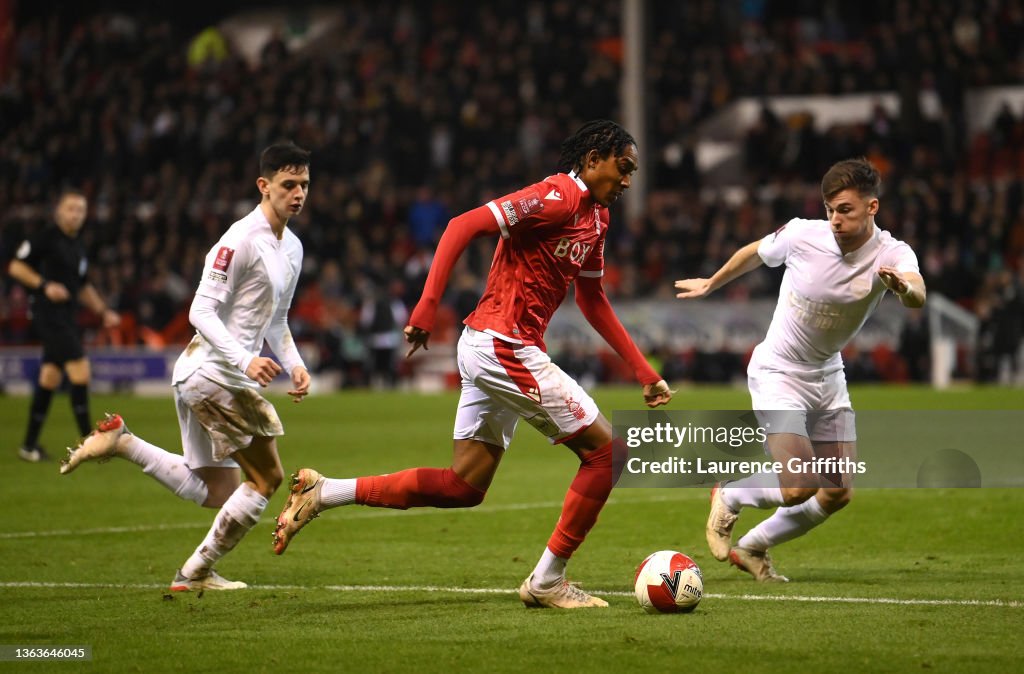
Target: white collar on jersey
869, 247
579, 183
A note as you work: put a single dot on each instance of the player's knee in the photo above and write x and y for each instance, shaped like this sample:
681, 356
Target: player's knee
467, 497
836, 499
461, 494
601, 458
49, 377
795, 495
268, 483
275, 479
475, 498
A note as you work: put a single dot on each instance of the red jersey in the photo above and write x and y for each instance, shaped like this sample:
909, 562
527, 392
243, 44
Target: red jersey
551, 232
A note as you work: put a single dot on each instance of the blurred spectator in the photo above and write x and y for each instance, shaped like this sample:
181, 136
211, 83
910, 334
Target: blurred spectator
915, 346
382, 319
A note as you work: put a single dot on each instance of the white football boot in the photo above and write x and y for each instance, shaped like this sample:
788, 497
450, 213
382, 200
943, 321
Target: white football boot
100, 445
758, 563
562, 595
210, 581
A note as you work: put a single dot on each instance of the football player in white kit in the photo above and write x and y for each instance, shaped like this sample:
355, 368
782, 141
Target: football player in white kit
837, 271
243, 298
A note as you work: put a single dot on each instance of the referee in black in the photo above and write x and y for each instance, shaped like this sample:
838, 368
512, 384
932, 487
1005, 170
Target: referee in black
52, 264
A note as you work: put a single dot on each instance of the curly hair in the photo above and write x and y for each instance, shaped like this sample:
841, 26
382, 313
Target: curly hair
602, 135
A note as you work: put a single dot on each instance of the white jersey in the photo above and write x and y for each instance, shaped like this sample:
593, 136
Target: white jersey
253, 275
825, 296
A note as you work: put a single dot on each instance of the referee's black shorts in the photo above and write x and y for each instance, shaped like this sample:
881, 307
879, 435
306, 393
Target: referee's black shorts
61, 342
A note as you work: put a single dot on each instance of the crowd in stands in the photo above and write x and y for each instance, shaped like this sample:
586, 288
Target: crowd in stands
418, 111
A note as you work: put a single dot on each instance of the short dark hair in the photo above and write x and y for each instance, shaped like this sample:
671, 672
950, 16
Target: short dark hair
602, 135
280, 156
857, 174
70, 192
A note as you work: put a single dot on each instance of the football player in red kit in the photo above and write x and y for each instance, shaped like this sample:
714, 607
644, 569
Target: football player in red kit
551, 234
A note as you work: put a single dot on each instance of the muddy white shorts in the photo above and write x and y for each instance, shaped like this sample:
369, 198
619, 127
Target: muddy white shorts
216, 422
815, 406
503, 382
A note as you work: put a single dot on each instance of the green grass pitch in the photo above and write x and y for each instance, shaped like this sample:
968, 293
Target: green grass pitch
902, 580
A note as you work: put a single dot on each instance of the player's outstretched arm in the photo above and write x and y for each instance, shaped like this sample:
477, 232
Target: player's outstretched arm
460, 231
742, 261
595, 307
907, 285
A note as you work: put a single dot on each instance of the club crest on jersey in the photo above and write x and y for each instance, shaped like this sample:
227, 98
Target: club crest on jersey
223, 259
576, 409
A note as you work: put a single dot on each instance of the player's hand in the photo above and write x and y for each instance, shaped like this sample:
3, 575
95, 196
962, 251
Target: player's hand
111, 319
262, 370
300, 384
56, 292
893, 280
693, 287
417, 337
657, 394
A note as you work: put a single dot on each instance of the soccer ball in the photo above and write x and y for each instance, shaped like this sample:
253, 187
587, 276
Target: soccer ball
668, 582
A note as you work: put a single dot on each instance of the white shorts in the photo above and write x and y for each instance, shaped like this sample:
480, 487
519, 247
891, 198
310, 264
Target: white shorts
815, 406
216, 422
503, 382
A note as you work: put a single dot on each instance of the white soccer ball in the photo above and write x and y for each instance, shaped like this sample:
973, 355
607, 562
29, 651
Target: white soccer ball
668, 582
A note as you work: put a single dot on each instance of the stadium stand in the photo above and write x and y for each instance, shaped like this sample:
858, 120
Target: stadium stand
417, 111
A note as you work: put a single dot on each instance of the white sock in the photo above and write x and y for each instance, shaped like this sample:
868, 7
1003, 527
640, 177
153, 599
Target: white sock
760, 490
336, 493
785, 525
550, 570
168, 469
237, 516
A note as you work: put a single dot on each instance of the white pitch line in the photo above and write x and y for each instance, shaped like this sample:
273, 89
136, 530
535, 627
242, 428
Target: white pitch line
1000, 603
141, 528
339, 514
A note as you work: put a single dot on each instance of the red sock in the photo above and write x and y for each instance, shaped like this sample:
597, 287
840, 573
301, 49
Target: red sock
583, 502
415, 487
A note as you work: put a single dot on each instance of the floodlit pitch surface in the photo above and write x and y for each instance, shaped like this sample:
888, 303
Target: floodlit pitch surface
908, 579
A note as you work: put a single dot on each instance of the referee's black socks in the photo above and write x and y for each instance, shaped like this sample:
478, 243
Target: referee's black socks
41, 398
80, 408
